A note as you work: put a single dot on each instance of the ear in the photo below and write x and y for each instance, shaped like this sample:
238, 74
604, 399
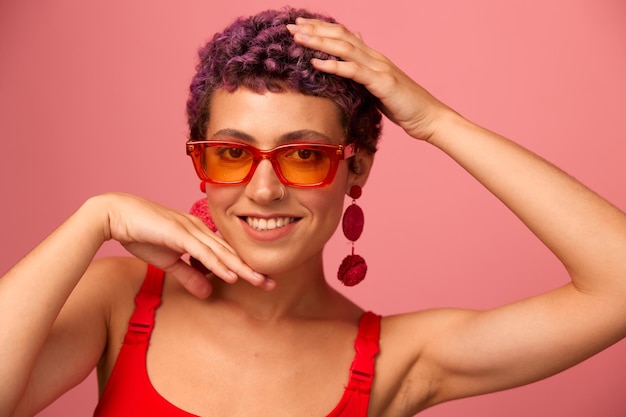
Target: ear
360, 167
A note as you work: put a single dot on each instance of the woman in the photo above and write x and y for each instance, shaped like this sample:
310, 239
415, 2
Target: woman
265, 334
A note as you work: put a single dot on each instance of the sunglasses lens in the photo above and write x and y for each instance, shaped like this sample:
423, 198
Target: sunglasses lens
304, 165
299, 164
227, 163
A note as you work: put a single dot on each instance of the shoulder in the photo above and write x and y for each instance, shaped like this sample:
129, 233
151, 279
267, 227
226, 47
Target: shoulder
104, 283
115, 276
116, 279
115, 282
109, 285
116, 268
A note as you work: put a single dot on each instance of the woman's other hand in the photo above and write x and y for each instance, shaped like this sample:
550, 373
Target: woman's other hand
402, 100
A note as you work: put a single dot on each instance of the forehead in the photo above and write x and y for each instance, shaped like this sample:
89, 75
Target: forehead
268, 115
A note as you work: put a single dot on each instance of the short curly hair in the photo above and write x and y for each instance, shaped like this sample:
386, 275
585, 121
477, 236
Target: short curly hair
259, 53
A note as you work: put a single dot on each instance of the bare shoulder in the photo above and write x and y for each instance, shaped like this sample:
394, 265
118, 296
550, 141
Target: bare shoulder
115, 277
116, 270
113, 283
107, 285
106, 293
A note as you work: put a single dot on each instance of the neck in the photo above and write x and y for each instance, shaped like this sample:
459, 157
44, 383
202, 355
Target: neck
303, 292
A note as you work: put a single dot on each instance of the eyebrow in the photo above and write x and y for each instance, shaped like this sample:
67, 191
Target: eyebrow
297, 135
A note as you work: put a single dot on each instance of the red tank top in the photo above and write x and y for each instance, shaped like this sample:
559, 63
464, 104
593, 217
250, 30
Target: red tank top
129, 392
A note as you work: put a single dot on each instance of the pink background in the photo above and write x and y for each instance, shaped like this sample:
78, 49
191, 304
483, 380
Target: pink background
92, 99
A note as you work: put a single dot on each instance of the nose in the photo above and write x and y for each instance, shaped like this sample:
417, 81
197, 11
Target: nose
264, 186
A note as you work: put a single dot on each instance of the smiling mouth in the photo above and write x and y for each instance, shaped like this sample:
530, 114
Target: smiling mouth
268, 224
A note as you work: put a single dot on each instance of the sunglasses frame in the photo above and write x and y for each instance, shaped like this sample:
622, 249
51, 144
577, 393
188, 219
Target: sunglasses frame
336, 153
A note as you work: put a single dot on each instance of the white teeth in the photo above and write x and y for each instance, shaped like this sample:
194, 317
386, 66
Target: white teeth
269, 224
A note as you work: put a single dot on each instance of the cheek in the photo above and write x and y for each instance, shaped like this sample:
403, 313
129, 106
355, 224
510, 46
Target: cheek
330, 208
327, 208
333, 201
220, 198
333, 218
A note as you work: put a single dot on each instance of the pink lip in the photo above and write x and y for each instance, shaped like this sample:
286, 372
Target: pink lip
267, 235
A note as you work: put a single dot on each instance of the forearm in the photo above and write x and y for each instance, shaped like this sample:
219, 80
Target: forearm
33, 292
583, 230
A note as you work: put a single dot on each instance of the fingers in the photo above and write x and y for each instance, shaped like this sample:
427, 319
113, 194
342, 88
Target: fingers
212, 252
191, 279
219, 257
330, 38
358, 62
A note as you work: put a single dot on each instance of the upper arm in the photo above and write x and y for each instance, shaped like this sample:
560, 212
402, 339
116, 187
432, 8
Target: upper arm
461, 353
79, 335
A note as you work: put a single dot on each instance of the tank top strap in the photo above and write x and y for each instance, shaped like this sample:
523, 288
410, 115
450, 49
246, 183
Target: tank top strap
366, 347
147, 300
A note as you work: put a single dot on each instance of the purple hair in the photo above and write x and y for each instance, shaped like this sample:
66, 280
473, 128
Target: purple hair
260, 54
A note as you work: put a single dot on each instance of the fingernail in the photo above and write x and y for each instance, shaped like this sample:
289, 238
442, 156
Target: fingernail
270, 284
259, 276
292, 28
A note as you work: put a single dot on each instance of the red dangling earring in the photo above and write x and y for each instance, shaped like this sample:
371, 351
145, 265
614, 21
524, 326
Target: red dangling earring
353, 268
200, 209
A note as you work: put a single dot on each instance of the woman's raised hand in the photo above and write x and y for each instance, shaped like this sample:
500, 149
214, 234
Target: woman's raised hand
402, 100
160, 236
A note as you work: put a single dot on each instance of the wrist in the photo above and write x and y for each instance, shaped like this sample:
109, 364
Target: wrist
94, 213
447, 125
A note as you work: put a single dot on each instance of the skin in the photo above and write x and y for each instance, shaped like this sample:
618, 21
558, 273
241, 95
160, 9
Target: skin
210, 331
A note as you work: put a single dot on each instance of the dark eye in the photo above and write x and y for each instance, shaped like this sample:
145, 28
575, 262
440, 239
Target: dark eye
235, 153
305, 154
231, 154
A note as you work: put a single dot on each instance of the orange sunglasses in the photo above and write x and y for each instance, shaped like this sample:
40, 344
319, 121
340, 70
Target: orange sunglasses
295, 164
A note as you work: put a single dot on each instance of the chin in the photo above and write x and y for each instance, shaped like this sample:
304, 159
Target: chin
279, 262
269, 266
